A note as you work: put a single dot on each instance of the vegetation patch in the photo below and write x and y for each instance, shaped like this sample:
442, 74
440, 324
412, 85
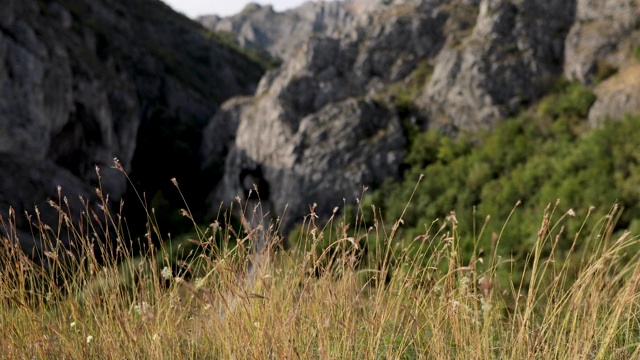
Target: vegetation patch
547, 158
404, 93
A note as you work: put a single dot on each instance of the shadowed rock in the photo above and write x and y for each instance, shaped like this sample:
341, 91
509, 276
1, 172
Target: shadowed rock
77, 79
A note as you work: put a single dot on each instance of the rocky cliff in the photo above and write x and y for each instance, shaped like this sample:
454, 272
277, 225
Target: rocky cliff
83, 82
602, 50
355, 78
280, 33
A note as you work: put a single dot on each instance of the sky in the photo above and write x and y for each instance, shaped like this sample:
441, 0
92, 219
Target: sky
194, 8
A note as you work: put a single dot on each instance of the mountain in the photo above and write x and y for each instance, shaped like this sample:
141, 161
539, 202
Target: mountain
356, 81
281, 33
83, 82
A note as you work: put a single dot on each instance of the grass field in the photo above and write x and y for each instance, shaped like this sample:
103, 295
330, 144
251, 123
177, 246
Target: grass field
336, 302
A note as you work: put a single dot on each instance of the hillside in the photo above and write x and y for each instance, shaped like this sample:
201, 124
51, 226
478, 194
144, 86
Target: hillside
357, 84
340, 111
84, 82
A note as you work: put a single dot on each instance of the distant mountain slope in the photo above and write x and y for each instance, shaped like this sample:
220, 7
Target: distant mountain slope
281, 33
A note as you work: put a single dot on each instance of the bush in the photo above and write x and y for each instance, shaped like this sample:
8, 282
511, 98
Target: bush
545, 157
571, 100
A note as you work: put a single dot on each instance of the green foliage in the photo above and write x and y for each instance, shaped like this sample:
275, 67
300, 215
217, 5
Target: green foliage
404, 93
530, 162
636, 52
572, 100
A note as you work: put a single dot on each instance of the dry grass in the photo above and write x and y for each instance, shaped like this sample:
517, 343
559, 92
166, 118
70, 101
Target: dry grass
402, 303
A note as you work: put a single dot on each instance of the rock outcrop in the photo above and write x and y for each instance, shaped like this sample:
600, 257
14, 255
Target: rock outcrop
599, 45
449, 66
511, 55
617, 96
79, 77
309, 133
281, 33
476, 61
85, 81
602, 36
328, 157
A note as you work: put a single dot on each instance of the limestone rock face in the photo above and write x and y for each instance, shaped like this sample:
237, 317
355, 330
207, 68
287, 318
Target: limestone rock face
602, 36
28, 182
281, 33
443, 65
220, 133
484, 55
324, 158
601, 42
510, 57
316, 130
77, 79
617, 96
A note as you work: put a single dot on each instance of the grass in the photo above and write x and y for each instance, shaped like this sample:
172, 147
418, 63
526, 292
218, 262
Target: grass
421, 301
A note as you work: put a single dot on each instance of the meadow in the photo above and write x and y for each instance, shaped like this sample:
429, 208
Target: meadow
327, 296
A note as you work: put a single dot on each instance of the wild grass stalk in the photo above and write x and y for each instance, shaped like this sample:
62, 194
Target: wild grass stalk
399, 299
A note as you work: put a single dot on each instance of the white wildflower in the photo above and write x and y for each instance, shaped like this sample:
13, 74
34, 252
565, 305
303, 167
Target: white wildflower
166, 273
89, 339
485, 305
464, 283
199, 283
141, 308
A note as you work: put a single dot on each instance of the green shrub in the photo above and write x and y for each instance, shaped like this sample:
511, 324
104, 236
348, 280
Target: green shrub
404, 93
571, 100
535, 160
